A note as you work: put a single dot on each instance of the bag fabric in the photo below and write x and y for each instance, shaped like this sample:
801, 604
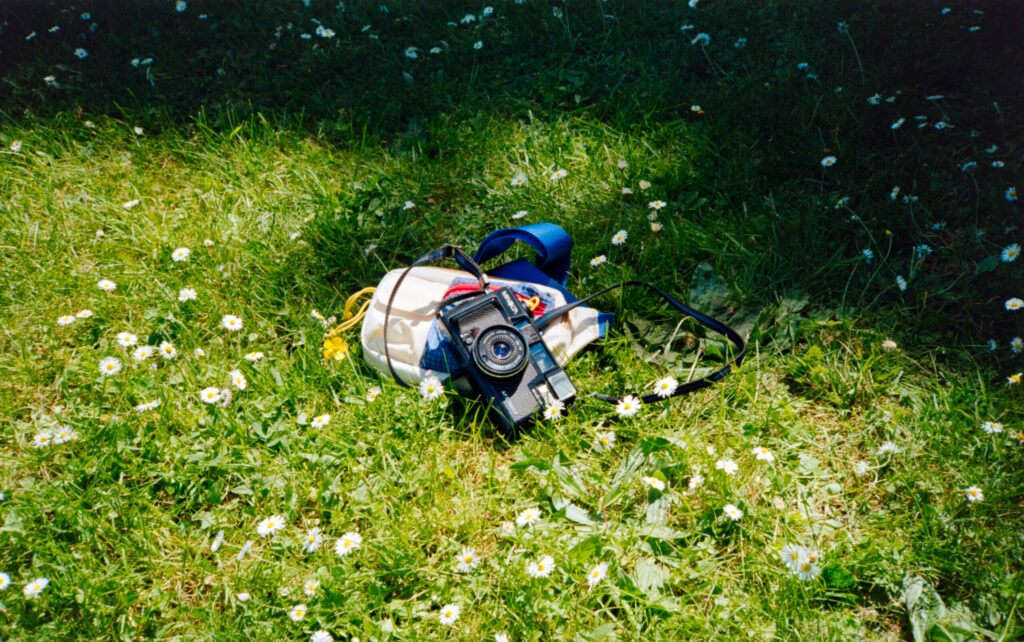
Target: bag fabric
419, 346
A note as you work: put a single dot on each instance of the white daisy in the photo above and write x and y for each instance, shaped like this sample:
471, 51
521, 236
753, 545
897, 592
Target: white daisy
620, 237
312, 540
992, 427
1010, 253
528, 517
186, 294
628, 406
727, 466
147, 406
518, 179
542, 567
792, 556
348, 543
889, 345
210, 395
320, 421
888, 447
828, 161
449, 614
598, 260
604, 440
431, 388
130, 204
1014, 304
167, 350
559, 174
83, 314
373, 393
645, 185
554, 411
310, 587
467, 559
106, 285
696, 481
5, 581
763, 454
242, 553
732, 512
270, 525
110, 366
254, 356
974, 494
64, 434
597, 574
653, 482
507, 529
807, 571
297, 612
126, 339
199, 352
218, 541
231, 322
35, 587
42, 439
321, 636
656, 226
143, 352
665, 387
626, 191
656, 205
243, 596
65, 319
208, 242
238, 379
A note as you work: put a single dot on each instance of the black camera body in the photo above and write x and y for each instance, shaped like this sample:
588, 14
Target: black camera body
505, 357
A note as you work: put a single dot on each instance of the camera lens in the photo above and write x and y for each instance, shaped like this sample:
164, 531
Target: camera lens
500, 351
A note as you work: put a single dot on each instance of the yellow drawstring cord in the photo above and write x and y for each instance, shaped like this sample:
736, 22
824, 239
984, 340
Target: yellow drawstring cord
334, 346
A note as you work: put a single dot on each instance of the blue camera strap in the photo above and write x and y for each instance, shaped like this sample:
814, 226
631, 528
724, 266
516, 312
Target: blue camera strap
554, 251
553, 245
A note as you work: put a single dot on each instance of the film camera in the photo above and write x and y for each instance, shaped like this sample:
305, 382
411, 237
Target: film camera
504, 357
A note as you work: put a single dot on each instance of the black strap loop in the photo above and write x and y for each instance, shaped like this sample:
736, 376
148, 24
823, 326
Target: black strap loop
703, 319
444, 252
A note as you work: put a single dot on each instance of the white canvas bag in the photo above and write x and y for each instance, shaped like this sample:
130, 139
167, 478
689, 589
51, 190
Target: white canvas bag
413, 315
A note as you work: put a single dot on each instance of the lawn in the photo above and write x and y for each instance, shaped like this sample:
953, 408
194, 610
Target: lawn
190, 192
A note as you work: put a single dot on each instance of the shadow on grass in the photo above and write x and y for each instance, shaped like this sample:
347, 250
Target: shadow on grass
750, 119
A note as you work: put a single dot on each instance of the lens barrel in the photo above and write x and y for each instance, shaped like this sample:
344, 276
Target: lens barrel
500, 351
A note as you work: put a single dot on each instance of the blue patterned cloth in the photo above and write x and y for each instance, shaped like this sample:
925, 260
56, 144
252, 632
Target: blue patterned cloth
438, 353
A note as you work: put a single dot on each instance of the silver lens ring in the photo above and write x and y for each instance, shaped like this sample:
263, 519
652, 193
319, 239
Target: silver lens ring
500, 351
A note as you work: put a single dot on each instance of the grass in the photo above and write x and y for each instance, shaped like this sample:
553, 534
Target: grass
296, 162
